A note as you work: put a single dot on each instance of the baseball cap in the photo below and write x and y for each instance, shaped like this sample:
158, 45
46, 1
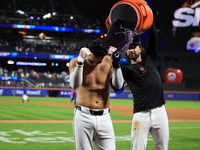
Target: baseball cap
136, 41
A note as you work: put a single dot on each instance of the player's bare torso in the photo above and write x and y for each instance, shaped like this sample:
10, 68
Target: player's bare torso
94, 91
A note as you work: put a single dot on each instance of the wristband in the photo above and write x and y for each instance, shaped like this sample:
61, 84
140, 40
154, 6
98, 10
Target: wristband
80, 59
115, 65
79, 63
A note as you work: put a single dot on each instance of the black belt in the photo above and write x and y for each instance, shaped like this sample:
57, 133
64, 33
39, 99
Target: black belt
92, 112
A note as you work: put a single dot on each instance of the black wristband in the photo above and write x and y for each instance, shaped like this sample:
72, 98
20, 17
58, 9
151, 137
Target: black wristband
79, 63
115, 65
116, 57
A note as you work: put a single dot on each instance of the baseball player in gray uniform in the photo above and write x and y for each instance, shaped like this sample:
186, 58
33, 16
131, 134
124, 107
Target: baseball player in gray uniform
91, 74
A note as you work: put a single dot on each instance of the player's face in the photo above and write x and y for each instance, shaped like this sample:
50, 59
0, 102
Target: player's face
134, 52
93, 60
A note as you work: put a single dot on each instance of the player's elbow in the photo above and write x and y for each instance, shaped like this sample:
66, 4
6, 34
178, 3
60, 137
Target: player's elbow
74, 85
118, 85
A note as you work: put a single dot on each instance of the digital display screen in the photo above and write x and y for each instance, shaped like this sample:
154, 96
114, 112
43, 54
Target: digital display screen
8, 54
5, 78
52, 28
61, 56
37, 56
178, 23
20, 63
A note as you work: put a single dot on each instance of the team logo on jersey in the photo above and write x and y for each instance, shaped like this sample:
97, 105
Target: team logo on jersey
142, 69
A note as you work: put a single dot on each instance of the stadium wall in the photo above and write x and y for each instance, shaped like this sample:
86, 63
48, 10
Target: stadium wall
52, 92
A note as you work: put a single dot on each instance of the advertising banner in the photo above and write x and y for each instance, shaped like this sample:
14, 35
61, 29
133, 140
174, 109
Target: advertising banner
194, 96
20, 92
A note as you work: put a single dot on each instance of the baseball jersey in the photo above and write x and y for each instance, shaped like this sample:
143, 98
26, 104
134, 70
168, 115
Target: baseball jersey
144, 79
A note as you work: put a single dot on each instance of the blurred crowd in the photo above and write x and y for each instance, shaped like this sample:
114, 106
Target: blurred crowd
54, 45
47, 12
30, 77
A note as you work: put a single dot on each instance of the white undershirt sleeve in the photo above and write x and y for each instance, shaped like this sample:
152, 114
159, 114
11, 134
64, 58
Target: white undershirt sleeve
117, 79
76, 77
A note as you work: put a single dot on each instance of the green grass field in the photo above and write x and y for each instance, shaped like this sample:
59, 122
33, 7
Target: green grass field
59, 136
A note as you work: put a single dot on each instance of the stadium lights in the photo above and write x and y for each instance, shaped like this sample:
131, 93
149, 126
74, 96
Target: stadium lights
21, 12
54, 13
42, 36
46, 16
49, 15
10, 62
22, 32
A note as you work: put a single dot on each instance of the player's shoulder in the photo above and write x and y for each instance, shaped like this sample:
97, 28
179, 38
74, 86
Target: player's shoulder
73, 59
107, 58
125, 64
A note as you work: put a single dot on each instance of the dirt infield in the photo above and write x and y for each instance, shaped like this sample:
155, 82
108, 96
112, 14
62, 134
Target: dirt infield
174, 114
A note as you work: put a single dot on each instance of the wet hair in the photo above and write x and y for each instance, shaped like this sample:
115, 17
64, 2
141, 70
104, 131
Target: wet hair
98, 48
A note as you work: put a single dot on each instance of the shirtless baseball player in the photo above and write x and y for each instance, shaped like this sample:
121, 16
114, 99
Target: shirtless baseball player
91, 74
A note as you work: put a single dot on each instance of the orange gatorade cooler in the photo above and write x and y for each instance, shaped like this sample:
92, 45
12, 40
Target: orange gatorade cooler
173, 76
136, 13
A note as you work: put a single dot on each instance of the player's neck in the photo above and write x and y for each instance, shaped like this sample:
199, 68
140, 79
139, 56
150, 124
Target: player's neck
139, 59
